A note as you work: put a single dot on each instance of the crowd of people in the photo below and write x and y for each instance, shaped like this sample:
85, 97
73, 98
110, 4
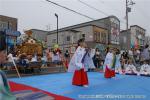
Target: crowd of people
111, 61
134, 62
23, 59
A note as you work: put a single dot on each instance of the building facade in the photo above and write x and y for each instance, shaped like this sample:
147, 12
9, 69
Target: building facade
133, 38
103, 31
8, 23
9, 26
137, 36
125, 40
69, 38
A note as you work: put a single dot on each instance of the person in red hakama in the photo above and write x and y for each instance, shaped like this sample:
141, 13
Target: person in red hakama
76, 65
66, 60
109, 64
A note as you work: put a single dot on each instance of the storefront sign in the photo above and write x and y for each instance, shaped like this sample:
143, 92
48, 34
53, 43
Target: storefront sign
12, 33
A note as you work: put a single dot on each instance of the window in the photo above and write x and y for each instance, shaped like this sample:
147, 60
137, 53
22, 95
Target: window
68, 38
97, 37
83, 36
3, 25
103, 37
54, 41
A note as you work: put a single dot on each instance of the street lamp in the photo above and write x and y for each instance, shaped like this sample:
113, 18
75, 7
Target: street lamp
56, 15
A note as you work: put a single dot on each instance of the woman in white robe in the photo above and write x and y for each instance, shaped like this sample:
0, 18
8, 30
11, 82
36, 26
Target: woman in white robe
109, 64
76, 65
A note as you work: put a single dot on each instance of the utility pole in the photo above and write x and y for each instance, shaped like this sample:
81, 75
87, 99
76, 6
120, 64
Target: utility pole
127, 15
128, 9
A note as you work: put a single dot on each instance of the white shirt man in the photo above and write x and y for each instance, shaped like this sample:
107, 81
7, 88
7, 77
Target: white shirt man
11, 61
10, 57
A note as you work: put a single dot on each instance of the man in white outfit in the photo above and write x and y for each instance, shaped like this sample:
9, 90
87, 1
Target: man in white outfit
10, 61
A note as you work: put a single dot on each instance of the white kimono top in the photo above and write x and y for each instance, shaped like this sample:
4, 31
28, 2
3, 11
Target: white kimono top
108, 61
130, 67
76, 60
145, 67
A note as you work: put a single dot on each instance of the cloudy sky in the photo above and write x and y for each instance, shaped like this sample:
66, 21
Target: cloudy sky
39, 14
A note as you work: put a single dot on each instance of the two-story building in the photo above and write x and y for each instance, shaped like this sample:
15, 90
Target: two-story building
103, 31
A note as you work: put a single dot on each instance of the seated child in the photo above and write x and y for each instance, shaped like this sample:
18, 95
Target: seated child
131, 69
145, 69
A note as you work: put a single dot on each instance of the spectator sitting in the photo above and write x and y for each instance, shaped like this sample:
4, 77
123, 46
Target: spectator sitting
23, 60
131, 69
145, 69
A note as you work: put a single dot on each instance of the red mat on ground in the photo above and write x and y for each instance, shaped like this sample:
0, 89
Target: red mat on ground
16, 87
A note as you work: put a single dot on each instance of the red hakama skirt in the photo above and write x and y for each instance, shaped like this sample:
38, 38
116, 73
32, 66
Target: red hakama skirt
66, 64
80, 78
109, 73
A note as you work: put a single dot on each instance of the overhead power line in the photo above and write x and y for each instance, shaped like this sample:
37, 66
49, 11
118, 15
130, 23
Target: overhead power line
93, 8
108, 6
70, 10
97, 9
77, 12
113, 9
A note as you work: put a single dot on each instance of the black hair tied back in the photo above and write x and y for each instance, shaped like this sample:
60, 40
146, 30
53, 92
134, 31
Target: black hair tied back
80, 41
